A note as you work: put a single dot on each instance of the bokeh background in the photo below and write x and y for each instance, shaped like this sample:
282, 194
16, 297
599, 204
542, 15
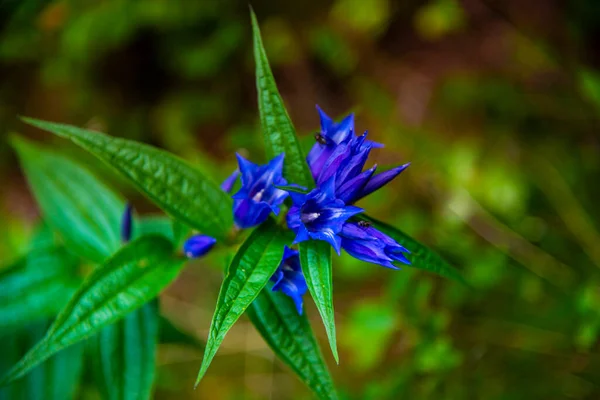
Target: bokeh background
495, 103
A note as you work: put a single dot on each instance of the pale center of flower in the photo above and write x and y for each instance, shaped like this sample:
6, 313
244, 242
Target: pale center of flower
258, 196
309, 217
287, 268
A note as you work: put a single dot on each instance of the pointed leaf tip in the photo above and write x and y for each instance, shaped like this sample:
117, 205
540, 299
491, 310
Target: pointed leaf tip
315, 259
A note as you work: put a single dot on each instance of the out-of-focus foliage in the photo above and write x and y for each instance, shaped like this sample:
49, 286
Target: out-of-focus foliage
496, 105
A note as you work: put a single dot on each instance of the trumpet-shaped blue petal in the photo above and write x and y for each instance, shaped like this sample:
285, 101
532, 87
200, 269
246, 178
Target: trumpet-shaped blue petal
332, 134
289, 279
320, 215
366, 243
258, 196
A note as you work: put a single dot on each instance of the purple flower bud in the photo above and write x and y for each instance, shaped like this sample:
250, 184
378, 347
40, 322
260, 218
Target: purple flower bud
198, 245
228, 183
127, 223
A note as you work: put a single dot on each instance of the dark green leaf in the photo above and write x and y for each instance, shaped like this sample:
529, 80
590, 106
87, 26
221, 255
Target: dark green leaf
82, 209
291, 338
37, 286
421, 256
315, 258
255, 262
290, 188
55, 379
170, 182
132, 277
278, 130
124, 355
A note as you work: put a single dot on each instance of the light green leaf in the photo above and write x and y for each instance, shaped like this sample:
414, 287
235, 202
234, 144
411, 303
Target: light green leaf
278, 130
170, 182
74, 202
255, 262
421, 256
55, 379
36, 286
291, 338
129, 279
124, 355
315, 259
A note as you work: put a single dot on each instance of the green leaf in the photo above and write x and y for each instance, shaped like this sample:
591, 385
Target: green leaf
278, 130
153, 225
315, 259
421, 256
131, 278
55, 379
255, 262
74, 202
170, 182
291, 338
36, 286
124, 355
290, 188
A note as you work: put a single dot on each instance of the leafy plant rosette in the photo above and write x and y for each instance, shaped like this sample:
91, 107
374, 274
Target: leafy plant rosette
115, 307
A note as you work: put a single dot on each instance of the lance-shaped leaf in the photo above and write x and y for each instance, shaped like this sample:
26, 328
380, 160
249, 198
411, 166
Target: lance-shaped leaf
291, 338
153, 225
250, 270
36, 286
129, 279
170, 333
55, 379
421, 256
74, 202
124, 355
170, 182
278, 130
315, 259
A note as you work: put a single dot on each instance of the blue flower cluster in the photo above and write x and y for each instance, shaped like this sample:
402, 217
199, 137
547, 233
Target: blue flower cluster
337, 163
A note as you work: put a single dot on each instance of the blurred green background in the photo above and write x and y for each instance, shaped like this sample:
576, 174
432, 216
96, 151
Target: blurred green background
495, 103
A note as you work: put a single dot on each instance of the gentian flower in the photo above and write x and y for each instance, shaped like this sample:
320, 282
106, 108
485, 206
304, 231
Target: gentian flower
362, 241
319, 215
339, 152
258, 195
126, 223
331, 135
289, 278
198, 245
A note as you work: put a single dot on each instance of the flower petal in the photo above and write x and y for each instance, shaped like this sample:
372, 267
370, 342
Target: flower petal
228, 183
381, 179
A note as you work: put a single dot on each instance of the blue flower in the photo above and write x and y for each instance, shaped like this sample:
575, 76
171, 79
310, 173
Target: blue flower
319, 215
126, 223
258, 195
331, 135
344, 155
289, 279
362, 241
198, 245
